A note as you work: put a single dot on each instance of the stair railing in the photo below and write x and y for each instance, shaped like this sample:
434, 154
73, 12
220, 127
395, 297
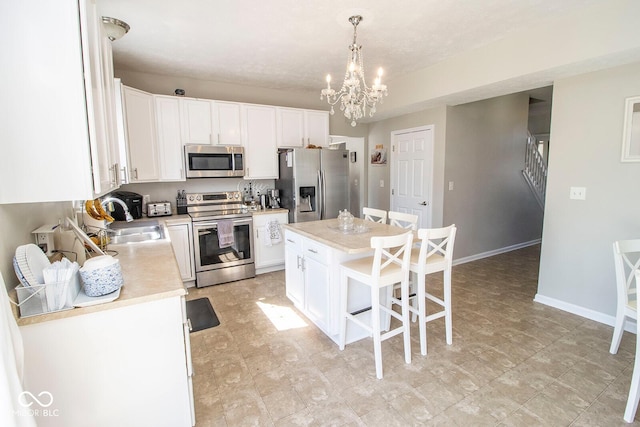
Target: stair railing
535, 170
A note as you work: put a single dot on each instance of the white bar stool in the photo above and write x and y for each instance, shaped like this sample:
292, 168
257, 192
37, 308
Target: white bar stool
634, 389
435, 254
382, 270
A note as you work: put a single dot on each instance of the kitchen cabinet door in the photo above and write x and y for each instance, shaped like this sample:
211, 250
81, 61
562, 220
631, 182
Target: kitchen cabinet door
316, 128
290, 127
169, 138
261, 151
49, 150
268, 256
294, 274
227, 120
316, 292
182, 242
197, 121
141, 135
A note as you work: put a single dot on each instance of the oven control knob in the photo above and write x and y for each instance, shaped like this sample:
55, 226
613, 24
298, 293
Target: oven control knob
191, 198
198, 198
237, 196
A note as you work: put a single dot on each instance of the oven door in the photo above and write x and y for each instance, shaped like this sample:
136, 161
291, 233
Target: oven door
209, 254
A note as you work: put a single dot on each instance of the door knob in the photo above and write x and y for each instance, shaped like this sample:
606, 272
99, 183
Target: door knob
423, 203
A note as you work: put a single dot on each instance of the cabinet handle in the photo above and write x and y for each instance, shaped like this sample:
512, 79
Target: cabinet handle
302, 141
298, 262
302, 262
135, 172
290, 241
257, 233
313, 251
218, 138
124, 178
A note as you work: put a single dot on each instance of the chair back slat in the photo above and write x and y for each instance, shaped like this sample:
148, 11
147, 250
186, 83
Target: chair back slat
375, 215
391, 250
436, 241
404, 220
626, 257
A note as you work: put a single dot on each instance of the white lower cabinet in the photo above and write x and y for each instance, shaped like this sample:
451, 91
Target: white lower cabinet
307, 278
181, 236
312, 275
269, 256
126, 366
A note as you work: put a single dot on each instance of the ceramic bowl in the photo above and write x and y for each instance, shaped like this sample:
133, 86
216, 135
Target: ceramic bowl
103, 280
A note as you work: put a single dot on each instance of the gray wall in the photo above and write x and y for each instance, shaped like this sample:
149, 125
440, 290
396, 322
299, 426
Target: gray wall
380, 134
576, 267
491, 204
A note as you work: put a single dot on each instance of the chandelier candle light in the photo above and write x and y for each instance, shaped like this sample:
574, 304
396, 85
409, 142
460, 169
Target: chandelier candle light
355, 96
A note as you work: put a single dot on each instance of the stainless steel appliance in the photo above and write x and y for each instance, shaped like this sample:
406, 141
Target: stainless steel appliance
313, 183
216, 263
210, 161
158, 209
274, 199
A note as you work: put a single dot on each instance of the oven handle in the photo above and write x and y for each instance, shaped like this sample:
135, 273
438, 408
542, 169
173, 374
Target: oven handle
214, 223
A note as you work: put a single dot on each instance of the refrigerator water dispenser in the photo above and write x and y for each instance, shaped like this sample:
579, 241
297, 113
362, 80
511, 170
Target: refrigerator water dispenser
307, 199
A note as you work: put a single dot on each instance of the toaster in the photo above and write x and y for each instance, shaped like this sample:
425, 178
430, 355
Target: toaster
158, 208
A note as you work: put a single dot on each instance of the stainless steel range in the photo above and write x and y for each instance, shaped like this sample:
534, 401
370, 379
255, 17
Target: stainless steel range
222, 237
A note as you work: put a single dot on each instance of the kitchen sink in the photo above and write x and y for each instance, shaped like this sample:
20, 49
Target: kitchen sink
133, 232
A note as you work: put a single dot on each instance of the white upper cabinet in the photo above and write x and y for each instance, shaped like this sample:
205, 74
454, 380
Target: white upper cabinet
197, 121
54, 121
169, 138
300, 128
290, 127
316, 128
140, 125
261, 160
227, 123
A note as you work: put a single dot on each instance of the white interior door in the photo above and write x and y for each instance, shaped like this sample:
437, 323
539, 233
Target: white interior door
412, 173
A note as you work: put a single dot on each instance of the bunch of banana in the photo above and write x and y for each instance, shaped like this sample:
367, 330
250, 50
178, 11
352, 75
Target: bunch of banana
96, 211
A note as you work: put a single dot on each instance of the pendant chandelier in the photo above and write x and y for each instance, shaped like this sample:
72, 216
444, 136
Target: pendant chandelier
355, 96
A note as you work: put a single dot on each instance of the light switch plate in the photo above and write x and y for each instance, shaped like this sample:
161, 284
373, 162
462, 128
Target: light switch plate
578, 193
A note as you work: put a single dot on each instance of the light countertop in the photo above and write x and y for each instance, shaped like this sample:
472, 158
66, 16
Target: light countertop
269, 211
327, 232
150, 272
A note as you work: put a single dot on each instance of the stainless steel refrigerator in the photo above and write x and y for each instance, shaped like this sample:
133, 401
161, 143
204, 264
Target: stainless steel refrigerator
313, 183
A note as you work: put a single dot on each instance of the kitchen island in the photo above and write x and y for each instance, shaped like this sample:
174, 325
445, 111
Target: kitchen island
313, 253
124, 363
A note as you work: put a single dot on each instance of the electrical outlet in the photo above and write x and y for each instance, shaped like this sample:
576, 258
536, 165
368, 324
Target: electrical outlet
450, 185
381, 183
578, 193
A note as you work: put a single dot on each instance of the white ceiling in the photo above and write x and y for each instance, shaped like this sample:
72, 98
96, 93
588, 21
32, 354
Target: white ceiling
293, 44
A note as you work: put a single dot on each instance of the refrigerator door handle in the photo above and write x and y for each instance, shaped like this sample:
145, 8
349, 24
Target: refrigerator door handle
321, 196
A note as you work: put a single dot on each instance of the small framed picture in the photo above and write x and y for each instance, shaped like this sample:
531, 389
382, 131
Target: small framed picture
379, 155
631, 130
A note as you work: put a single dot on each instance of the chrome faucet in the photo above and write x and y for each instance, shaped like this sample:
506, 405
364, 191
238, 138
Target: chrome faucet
108, 200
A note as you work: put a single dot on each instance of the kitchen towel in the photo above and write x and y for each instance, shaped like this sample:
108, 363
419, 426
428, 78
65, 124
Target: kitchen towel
225, 233
273, 230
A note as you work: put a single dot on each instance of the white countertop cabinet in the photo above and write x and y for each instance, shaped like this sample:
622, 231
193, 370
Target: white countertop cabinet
119, 367
56, 125
268, 258
122, 363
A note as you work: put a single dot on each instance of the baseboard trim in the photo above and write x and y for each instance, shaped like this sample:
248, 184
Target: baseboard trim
587, 313
496, 252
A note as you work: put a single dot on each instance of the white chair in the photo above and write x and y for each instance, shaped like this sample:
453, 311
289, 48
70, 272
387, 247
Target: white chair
435, 254
381, 271
404, 220
375, 215
626, 257
634, 389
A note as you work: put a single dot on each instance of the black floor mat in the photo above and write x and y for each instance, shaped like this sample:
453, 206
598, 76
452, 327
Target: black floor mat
201, 314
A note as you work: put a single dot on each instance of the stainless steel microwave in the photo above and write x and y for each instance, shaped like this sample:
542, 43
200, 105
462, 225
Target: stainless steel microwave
211, 161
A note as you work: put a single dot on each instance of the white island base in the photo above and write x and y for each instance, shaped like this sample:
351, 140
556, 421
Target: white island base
313, 254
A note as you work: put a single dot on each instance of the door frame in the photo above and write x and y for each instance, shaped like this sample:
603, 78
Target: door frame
392, 167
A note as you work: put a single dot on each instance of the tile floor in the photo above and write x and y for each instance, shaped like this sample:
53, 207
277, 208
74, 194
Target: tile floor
513, 362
